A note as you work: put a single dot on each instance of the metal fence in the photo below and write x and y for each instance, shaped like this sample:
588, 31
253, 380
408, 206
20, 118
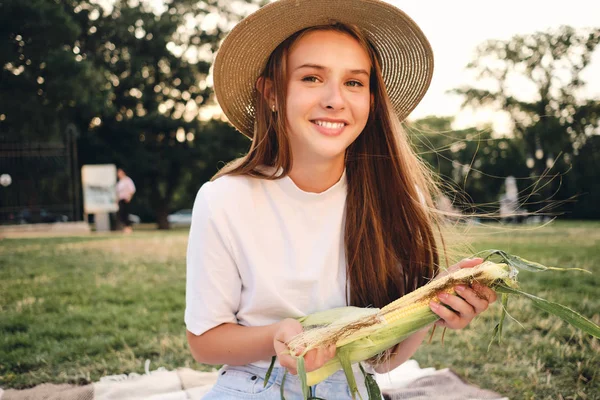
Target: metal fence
39, 181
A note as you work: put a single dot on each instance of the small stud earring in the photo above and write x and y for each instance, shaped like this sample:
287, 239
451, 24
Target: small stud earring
273, 108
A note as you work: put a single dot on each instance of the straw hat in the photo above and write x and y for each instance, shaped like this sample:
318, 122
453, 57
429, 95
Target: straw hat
407, 58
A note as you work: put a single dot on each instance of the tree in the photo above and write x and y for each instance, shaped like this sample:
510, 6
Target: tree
45, 82
586, 181
132, 77
468, 161
156, 65
555, 119
47, 89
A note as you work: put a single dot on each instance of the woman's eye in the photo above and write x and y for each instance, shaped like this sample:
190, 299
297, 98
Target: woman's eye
354, 84
310, 79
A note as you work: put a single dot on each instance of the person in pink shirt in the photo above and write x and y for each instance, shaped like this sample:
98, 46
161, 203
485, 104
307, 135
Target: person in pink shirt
125, 191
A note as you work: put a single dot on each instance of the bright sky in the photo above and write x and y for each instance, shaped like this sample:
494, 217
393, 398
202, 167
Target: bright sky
455, 28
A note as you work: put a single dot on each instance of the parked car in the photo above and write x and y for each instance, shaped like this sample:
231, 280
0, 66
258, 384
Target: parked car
27, 216
180, 217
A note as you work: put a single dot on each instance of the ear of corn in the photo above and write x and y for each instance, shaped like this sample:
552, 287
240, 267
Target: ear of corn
362, 333
351, 325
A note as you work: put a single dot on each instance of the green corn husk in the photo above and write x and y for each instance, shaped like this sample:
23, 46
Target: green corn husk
363, 333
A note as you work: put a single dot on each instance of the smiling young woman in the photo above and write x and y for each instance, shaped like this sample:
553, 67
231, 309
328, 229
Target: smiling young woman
328, 101
330, 207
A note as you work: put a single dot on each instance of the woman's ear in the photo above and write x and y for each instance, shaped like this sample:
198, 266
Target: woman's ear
265, 87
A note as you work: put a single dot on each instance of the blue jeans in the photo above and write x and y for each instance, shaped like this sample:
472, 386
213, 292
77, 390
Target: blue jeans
247, 382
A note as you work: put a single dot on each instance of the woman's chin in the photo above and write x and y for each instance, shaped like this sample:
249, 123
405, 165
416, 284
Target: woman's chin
331, 154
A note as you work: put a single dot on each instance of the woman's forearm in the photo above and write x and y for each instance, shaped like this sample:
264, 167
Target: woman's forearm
233, 344
403, 351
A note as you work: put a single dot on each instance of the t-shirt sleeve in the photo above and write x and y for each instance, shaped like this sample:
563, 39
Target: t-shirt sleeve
213, 283
131, 187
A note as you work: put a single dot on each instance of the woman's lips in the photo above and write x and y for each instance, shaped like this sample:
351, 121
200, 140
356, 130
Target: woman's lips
329, 128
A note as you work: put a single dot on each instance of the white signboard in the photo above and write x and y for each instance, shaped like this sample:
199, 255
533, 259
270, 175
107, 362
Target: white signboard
99, 184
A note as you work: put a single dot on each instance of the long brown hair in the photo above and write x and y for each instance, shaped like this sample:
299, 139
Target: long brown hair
391, 233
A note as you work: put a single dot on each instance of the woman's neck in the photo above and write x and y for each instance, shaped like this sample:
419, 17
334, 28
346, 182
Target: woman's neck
317, 177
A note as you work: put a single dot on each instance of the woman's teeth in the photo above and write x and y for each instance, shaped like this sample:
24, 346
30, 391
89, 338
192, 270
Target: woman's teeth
330, 125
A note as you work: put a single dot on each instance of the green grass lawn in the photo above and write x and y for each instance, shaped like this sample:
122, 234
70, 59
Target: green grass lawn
76, 309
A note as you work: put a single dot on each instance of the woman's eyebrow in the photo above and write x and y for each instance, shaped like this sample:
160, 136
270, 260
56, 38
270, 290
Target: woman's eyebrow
314, 66
359, 71
320, 67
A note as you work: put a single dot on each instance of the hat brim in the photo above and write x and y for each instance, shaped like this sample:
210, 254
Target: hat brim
406, 55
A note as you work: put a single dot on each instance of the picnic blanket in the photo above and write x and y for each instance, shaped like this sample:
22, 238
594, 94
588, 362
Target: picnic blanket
407, 382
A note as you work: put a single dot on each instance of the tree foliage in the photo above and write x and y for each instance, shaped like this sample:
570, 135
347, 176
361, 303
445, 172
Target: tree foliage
132, 77
157, 65
469, 162
45, 82
537, 79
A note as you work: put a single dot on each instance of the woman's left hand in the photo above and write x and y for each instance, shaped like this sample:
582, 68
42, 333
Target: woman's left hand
466, 304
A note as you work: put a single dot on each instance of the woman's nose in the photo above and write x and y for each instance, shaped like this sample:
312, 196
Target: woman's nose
333, 97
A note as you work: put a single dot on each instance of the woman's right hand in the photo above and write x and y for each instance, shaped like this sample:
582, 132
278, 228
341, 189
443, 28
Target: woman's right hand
313, 359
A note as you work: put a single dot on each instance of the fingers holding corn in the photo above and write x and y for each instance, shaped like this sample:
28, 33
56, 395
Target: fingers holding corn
465, 263
466, 304
458, 316
313, 359
316, 358
286, 330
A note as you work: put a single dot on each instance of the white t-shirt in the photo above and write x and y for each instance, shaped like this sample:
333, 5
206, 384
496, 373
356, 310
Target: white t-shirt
263, 250
125, 188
